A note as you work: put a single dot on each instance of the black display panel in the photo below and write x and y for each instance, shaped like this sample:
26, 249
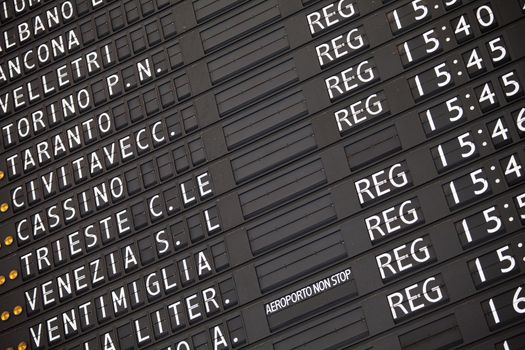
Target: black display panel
266, 174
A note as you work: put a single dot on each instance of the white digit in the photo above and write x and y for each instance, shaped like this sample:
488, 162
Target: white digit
429, 39
442, 73
407, 51
487, 94
520, 121
463, 142
454, 192
417, 7
500, 130
442, 156
480, 271
494, 311
517, 300
396, 18
462, 26
481, 20
513, 167
479, 180
418, 85
500, 48
431, 121
520, 199
475, 60
489, 218
509, 258
454, 108
467, 230
506, 82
